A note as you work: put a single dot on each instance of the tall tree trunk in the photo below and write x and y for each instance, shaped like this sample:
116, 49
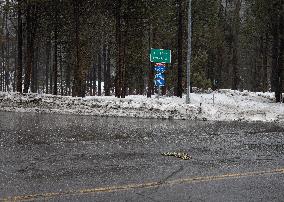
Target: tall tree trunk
78, 71
47, 62
180, 42
140, 80
20, 48
34, 80
2, 71
94, 79
55, 63
105, 65
264, 63
118, 51
235, 59
123, 65
99, 74
107, 75
61, 71
150, 89
7, 57
275, 77
281, 50
68, 76
30, 48
89, 81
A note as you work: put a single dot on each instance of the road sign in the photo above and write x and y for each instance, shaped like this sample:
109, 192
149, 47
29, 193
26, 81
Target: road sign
160, 76
160, 69
160, 64
159, 82
160, 56
160, 79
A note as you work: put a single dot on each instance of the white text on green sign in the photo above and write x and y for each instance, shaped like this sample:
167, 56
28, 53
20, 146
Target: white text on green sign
160, 56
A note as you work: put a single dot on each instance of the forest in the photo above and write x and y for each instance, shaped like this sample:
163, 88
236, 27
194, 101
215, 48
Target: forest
101, 47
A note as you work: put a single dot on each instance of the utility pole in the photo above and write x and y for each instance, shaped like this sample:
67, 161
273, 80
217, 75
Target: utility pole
188, 52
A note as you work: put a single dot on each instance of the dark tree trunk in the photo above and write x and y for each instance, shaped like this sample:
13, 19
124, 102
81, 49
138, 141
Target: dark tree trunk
47, 63
94, 79
89, 81
7, 57
78, 88
180, 42
150, 89
141, 81
275, 77
99, 74
264, 62
123, 65
55, 63
61, 72
281, 50
2, 72
20, 48
68, 77
235, 59
30, 45
105, 66
118, 51
107, 75
34, 80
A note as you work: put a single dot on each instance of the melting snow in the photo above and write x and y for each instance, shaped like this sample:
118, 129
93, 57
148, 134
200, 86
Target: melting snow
228, 105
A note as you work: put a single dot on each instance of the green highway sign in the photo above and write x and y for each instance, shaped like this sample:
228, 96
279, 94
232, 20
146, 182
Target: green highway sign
160, 56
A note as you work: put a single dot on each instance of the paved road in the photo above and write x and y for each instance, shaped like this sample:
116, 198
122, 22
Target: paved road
84, 158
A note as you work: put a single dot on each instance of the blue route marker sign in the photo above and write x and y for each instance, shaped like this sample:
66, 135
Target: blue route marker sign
160, 82
160, 76
160, 69
160, 79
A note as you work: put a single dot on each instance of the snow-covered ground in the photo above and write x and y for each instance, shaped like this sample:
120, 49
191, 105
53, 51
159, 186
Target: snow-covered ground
228, 105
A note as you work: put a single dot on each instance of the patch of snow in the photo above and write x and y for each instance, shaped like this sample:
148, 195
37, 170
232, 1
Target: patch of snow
221, 105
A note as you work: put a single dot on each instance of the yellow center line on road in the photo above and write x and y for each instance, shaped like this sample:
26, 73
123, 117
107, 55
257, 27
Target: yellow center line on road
143, 185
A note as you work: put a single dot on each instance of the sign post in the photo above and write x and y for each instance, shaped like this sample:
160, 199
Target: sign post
160, 57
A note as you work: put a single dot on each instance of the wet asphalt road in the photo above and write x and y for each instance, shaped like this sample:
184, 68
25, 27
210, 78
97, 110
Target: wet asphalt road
84, 158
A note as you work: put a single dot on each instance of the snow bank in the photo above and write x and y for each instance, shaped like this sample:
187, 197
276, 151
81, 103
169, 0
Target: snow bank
224, 105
